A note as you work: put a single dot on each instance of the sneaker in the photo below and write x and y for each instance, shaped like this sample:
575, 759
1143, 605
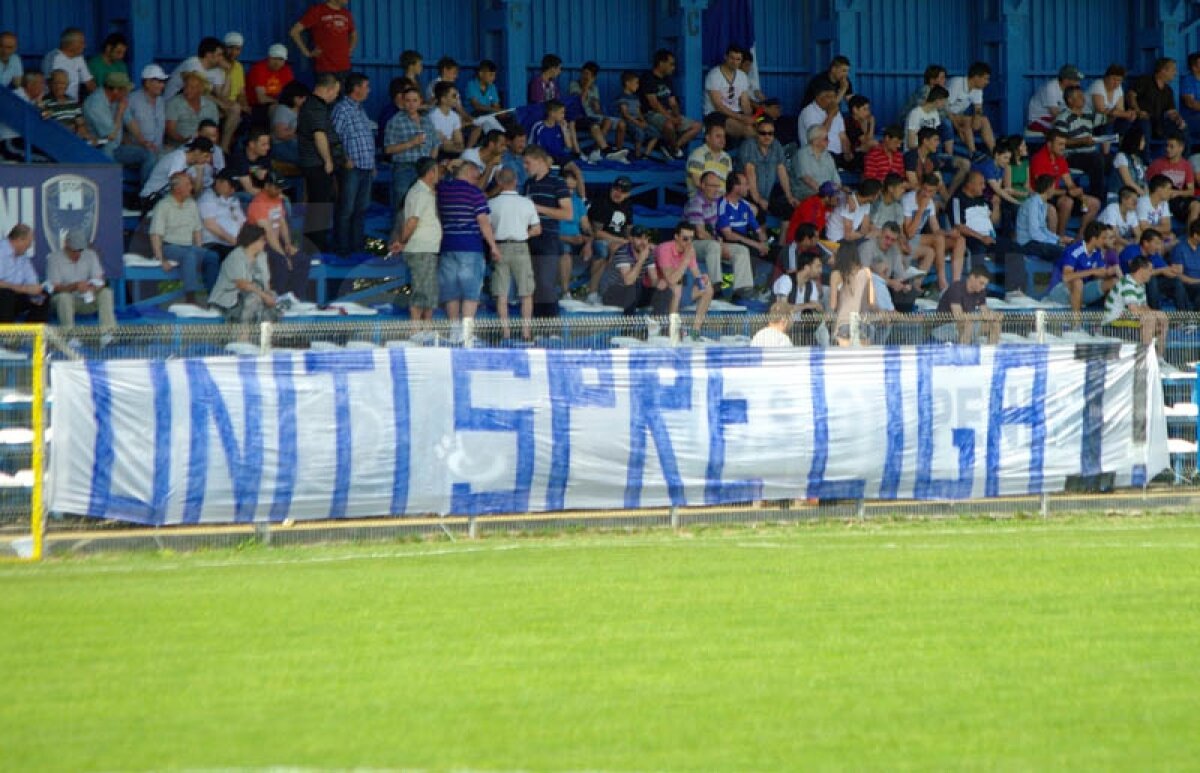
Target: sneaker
1016, 295
593, 299
594, 157
621, 155
678, 153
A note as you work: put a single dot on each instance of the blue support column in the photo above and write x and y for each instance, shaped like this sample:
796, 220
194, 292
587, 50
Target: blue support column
690, 57
1171, 16
513, 19
1010, 33
143, 31
848, 16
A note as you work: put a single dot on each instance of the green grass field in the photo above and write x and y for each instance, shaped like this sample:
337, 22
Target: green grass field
955, 644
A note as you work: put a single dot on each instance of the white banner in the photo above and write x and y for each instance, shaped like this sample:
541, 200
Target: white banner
472, 431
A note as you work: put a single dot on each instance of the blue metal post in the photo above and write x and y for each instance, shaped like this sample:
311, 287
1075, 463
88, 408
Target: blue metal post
514, 25
1011, 34
143, 32
690, 57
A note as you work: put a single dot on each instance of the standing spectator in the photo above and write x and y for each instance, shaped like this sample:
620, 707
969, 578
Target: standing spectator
242, 290
709, 157
1078, 125
418, 234
466, 231
188, 108
175, 238
357, 132
413, 64
77, 283
68, 57
1051, 160
765, 166
727, 95
1048, 101
552, 135
886, 157
838, 76
146, 116
289, 269
489, 157
1081, 276
823, 112
515, 221
514, 158
593, 121
552, 200
1187, 255
1154, 100
610, 218
675, 262
575, 235
964, 106
110, 59
104, 110
334, 37
321, 155
1178, 170
221, 214
851, 291
11, 68
661, 108
265, 82
20, 290
409, 137
703, 212
813, 165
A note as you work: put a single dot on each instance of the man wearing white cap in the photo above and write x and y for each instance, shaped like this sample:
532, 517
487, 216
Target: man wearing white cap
266, 80
146, 116
77, 281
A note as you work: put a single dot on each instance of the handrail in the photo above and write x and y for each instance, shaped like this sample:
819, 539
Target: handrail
48, 137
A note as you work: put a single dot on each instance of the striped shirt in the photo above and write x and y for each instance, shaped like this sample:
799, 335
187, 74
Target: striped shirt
459, 204
357, 132
402, 128
1128, 292
1075, 126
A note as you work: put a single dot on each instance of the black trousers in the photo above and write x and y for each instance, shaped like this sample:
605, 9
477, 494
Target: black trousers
14, 304
291, 277
318, 212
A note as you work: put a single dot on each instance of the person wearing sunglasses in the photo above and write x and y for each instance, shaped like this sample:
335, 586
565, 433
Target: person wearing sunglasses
765, 166
727, 94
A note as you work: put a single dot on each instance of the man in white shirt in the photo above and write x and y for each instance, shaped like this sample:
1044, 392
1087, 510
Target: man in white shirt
1047, 101
192, 158
206, 61
514, 220
965, 106
11, 68
221, 214
727, 92
823, 111
779, 319
69, 57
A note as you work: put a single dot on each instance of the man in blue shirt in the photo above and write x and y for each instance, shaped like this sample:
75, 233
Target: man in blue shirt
736, 223
1034, 236
1187, 255
1081, 276
1164, 277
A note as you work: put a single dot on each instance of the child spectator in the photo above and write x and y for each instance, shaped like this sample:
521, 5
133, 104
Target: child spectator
544, 88
594, 121
575, 235
629, 107
551, 135
1121, 216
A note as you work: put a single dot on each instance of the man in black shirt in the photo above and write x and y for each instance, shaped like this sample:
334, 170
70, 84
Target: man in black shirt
552, 200
661, 108
610, 218
320, 156
251, 163
966, 301
1154, 100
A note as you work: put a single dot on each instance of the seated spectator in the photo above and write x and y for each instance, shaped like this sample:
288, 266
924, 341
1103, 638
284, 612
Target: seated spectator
703, 212
1081, 277
514, 159
266, 81
927, 115
964, 106
1034, 235
765, 166
208, 52
883, 249
934, 75
483, 98
284, 119
288, 268
175, 238
851, 221
1078, 125
242, 291
823, 112
727, 95
418, 234
221, 214
1187, 255
923, 161
814, 210
709, 157
190, 159
447, 72
610, 219
1154, 101
1107, 96
1048, 101
208, 130
838, 76
104, 110
235, 74
756, 94
1070, 198
446, 120
1129, 163
661, 108
860, 131
779, 322
250, 162
60, 106
975, 220
1127, 299
1121, 216
624, 282
966, 301
629, 110
799, 281
922, 229
188, 108
68, 57
21, 293
146, 116
813, 165
1154, 209
593, 121
675, 261
78, 285
110, 59
1164, 277
1021, 182
885, 157
1179, 171
997, 175
11, 68
551, 134
887, 208
544, 87
32, 92
851, 291
410, 136
1189, 94
737, 226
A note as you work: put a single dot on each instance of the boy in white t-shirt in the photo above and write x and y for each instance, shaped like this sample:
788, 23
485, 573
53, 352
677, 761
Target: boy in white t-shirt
1122, 215
1154, 209
964, 106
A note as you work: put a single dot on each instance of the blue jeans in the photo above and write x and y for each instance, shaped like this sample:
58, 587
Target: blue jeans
135, 155
460, 276
193, 261
354, 196
403, 177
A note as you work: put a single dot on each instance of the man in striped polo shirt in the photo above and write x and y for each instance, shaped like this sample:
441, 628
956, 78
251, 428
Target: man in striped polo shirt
1128, 299
466, 229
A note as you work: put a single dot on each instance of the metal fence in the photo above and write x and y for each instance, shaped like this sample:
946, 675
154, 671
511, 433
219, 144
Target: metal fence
20, 413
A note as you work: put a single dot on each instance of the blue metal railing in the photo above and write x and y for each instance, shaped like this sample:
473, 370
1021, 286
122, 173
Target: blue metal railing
47, 137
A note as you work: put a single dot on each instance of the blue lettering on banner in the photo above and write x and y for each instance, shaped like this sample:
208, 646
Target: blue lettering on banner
818, 487
286, 461
926, 487
566, 371
245, 465
339, 365
1033, 414
893, 463
648, 398
1091, 448
469, 418
100, 499
401, 423
723, 411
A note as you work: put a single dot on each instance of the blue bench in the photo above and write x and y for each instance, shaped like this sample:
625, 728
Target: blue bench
327, 268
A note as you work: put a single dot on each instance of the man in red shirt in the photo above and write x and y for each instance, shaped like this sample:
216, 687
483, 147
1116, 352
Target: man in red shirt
814, 210
885, 158
1068, 196
1178, 170
266, 79
333, 36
